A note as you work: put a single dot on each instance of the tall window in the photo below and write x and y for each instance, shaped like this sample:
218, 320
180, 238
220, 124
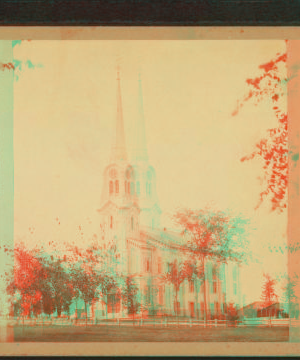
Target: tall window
128, 187
147, 264
111, 187
202, 308
215, 285
132, 188
234, 288
117, 186
159, 265
192, 308
111, 222
161, 295
192, 286
216, 308
148, 188
152, 223
132, 223
138, 190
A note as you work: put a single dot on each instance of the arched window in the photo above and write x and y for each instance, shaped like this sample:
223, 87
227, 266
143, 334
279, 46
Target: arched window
111, 187
148, 188
111, 222
125, 184
128, 187
132, 223
117, 186
132, 188
138, 188
147, 265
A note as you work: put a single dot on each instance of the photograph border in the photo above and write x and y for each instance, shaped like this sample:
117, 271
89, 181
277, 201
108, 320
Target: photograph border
292, 348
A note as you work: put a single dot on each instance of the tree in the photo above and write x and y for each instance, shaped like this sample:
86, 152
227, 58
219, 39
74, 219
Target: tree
108, 285
94, 272
289, 294
214, 235
268, 295
175, 275
273, 148
232, 313
86, 280
192, 270
57, 288
130, 296
28, 274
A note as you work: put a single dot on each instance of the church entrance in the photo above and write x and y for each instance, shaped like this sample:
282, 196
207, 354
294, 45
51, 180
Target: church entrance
113, 304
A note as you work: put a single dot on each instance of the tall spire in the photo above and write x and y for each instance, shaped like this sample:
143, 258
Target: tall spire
119, 147
140, 151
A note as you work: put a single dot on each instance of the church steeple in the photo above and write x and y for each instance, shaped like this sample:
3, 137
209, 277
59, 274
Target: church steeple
140, 147
119, 152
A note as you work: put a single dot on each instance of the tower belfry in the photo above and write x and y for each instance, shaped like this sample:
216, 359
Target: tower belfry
119, 152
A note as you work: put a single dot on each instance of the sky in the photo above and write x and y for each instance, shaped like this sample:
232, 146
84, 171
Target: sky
64, 118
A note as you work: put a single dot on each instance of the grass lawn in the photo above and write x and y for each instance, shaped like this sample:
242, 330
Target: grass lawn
112, 333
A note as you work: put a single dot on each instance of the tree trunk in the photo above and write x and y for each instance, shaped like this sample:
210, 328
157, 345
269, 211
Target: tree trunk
197, 299
225, 292
176, 304
106, 305
85, 306
204, 292
58, 307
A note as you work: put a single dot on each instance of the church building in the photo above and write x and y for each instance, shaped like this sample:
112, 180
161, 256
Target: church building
130, 217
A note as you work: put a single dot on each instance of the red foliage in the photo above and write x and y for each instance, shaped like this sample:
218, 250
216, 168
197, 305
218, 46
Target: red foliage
28, 273
8, 66
272, 149
268, 291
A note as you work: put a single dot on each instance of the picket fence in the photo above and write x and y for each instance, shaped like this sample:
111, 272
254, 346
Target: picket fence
157, 322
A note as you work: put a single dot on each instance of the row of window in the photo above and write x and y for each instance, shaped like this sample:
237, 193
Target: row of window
114, 303
114, 187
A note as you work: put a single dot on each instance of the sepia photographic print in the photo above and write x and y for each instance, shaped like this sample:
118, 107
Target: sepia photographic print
149, 192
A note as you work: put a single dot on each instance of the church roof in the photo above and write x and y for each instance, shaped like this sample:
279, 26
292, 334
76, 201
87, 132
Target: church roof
169, 238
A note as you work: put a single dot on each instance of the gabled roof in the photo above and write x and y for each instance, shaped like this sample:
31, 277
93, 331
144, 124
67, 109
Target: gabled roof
255, 305
259, 305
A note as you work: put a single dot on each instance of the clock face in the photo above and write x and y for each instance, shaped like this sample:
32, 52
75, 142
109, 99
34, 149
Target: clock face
113, 173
